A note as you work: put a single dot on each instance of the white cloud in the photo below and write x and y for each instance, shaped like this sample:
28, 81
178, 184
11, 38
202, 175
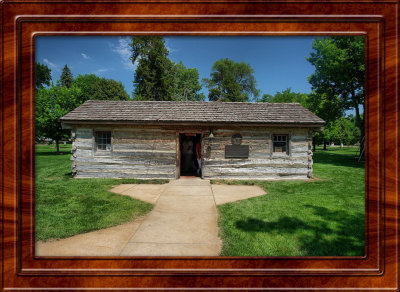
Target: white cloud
99, 71
47, 62
124, 51
169, 46
85, 56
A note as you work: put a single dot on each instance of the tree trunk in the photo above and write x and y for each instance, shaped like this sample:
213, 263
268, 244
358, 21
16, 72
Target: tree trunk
359, 122
325, 145
58, 146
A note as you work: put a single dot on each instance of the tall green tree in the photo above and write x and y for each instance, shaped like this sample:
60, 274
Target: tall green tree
66, 77
231, 81
186, 83
154, 77
42, 76
50, 105
326, 107
340, 72
94, 87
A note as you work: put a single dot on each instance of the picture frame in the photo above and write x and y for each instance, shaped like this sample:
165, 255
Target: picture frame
23, 20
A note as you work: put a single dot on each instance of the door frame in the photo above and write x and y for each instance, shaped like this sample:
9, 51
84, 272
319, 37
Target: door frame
189, 133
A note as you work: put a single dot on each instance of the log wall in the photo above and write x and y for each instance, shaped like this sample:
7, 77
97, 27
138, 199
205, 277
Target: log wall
153, 153
135, 153
262, 162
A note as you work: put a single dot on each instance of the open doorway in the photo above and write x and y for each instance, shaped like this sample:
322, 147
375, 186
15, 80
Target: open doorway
190, 149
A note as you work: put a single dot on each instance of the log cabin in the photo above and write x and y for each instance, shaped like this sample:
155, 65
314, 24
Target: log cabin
159, 139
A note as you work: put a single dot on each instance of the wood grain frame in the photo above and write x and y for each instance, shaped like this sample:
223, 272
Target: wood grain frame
22, 21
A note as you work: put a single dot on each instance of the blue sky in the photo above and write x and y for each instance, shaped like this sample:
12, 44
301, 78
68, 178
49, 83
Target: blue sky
278, 62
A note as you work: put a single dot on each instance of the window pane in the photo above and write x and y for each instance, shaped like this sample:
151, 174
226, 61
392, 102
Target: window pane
103, 140
280, 143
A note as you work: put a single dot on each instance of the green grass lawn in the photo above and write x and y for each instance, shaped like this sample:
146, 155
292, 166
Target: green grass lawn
65, 206
323, 217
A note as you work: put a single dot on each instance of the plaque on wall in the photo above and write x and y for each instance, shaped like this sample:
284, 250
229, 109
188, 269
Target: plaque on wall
236, 151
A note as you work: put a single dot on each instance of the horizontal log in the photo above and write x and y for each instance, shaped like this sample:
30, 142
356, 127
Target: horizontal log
142, 166
217, 175
264, 161
143, 130
254, 170
259, 155
298, 138
298, 143
299, 154
144, 135
140, 169
113, 160
123, 175
83, 143
253, 167
299, 149
144, 155
83, 153
171, 146
256, 165
266, 177
84, 133
140, 151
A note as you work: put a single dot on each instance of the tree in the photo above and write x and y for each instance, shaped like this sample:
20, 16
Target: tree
154, 77
186, 83
66, 77
94, 87
286, 96
340, 72
343, 131
50, 105
42, 76
327, 108
109, 89
231, 81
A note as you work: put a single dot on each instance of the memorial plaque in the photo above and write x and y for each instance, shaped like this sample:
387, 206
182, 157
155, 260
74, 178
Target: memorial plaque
237, 151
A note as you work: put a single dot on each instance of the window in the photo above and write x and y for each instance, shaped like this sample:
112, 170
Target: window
103, 141
280, 144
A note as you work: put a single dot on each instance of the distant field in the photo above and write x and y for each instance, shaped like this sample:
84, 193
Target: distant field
323, 217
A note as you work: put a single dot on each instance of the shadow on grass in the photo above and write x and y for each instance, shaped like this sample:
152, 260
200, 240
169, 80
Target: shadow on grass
337, 159
318, 237
62, 152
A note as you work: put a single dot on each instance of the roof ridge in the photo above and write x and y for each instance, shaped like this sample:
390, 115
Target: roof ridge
189, 101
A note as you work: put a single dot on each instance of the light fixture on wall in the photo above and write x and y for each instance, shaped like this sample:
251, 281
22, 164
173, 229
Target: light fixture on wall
211, 135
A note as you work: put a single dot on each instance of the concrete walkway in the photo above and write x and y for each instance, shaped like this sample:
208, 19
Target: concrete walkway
182, 223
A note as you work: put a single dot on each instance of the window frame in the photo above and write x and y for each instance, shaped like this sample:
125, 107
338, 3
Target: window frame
287, 152
96, 141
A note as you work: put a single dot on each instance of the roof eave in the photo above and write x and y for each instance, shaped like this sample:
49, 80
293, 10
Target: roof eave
66, 124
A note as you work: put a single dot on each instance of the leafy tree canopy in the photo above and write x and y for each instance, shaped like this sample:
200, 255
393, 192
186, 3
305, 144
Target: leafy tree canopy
42, 76
186, 83
327, 108
50, 105
342, 131
340, 73
66, 77
231, 81
286, 95
98, 88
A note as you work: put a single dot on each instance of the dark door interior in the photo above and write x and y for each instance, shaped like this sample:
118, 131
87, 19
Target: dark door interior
188, 160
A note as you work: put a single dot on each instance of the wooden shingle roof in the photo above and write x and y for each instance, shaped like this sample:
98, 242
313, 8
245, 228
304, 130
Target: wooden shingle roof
194, 112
